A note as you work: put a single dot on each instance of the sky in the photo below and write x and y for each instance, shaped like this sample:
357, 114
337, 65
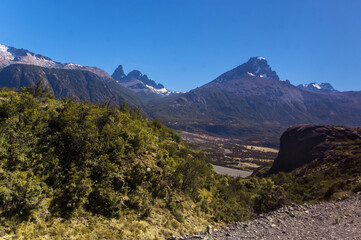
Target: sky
184, 44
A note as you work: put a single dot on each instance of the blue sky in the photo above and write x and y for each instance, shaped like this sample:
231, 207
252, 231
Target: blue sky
184, 44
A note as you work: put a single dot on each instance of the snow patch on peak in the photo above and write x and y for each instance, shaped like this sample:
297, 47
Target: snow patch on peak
251, 74
162, 91
42, 59
323, 87
72, 65
261, 58
316, 85
139, 86
3, 48
11, 55
5, 54
158, 91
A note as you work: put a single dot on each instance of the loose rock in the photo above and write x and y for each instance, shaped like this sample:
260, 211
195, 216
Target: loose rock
327, 220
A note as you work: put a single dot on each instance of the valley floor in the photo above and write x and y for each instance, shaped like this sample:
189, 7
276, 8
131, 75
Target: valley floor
232, 153
326, 220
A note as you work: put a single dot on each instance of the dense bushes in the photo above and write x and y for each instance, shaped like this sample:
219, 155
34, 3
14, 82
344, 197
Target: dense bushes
81, 157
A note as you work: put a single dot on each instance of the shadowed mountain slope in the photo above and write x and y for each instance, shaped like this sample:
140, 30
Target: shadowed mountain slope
77, 84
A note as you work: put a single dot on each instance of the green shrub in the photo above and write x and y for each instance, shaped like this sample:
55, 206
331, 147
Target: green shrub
20, 193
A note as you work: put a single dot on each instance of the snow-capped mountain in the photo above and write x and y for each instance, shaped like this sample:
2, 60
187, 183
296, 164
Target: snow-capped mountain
255, 70
140, 83
258, 67
11, 55
255, 67
323, 87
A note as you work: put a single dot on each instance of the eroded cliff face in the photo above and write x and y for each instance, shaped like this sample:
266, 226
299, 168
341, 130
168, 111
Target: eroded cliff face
302, 144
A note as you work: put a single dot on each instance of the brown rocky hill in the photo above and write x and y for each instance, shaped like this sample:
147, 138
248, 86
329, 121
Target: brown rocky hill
308, 146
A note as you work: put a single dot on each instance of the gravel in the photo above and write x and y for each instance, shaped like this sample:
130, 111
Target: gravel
327, 220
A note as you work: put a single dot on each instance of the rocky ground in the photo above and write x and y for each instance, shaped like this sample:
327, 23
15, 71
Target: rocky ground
327, 220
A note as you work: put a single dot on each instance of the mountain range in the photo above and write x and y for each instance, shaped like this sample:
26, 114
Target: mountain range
249, 102
135, 80
141, 84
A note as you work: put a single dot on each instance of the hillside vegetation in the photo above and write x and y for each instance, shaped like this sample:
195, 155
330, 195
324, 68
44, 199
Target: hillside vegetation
79, 170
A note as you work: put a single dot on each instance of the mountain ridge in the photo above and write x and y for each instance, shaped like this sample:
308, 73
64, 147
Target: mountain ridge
82, 85
323, 87
142, 86
11, 55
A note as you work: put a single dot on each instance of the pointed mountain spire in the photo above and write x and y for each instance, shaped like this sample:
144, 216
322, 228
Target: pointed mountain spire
118, 73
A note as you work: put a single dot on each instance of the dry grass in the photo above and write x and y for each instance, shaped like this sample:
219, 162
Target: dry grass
231, 152
160, 225
262, 149
248, 165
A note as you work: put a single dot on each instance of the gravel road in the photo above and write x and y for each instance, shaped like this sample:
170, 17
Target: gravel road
231, 171
327, 220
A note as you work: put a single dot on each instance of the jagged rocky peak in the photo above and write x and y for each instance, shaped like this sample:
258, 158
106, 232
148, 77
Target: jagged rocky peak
255, 67
258, 67
118, 73
150, 82
135, 74
139, 82
323, 87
